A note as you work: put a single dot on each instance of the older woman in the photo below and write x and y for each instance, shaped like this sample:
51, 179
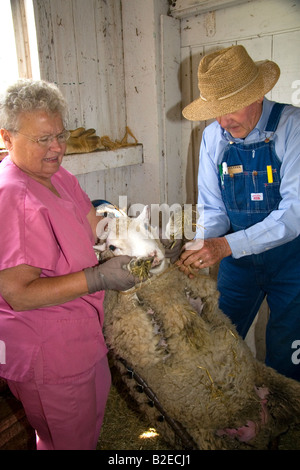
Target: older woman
51, 288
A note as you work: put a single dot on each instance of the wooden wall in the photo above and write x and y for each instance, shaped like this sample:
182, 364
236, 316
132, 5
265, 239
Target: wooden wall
134, 63
269, 29
81, 49
106, 57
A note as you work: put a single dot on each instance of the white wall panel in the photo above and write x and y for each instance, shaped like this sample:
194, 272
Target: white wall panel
118, 62
81, 48
269, 29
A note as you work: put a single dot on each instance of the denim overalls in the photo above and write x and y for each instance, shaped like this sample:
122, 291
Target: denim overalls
250, 193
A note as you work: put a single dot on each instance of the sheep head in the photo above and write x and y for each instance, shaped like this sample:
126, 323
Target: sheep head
134, 237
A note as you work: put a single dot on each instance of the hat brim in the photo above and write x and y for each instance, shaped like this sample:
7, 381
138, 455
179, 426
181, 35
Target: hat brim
201, 110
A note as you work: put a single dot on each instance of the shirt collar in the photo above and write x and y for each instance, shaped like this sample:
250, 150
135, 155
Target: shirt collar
266, 109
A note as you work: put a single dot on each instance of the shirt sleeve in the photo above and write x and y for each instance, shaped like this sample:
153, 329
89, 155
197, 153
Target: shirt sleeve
25, 231
213, 220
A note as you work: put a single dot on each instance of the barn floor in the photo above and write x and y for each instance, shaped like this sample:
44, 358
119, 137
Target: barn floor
125, 429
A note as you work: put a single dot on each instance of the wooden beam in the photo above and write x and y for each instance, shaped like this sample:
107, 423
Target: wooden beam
21, 35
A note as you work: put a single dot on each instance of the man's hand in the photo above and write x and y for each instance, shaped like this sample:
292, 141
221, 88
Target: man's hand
201, 254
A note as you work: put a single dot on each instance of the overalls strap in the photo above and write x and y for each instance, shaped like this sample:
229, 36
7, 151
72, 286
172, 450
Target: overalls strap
274, 117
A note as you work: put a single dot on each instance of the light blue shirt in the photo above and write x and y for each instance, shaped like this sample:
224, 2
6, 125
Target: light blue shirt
281, 225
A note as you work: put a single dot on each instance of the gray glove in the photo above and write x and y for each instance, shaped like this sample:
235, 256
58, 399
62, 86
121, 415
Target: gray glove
172, 249
113, 274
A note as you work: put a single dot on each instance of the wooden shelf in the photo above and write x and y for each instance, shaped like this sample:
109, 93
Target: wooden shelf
79, 164
186, 8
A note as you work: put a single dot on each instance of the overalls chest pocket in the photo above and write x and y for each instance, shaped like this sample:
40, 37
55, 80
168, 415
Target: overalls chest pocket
250, 191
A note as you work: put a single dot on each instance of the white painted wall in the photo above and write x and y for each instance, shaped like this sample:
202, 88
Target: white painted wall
128, 62
269, 29
106, 56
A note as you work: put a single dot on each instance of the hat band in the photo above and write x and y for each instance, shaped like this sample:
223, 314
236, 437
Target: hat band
234, 92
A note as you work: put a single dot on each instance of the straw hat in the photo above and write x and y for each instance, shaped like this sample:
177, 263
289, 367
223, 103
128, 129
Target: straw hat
230, 80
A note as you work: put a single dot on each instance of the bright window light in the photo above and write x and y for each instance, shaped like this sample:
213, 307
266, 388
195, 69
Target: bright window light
34, 59
8, 53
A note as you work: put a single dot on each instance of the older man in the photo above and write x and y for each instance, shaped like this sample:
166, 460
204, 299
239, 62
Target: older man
249, 187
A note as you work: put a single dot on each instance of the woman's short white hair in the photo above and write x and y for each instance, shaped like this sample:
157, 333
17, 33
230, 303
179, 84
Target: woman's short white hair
27, 95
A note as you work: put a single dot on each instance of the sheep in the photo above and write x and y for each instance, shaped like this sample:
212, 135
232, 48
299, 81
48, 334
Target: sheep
200, 377
131, 236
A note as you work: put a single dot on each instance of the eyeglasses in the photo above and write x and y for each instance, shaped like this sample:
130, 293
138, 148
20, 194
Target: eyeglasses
47, 140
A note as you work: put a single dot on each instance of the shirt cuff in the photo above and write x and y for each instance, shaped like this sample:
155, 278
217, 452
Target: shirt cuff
239, 244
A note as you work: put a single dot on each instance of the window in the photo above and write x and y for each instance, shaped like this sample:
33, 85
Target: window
8, 53
18, 53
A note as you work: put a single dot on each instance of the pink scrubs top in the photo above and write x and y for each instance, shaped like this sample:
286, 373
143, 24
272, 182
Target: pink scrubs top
42, 230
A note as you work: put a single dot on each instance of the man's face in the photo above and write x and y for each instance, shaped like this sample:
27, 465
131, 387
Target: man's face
240, 123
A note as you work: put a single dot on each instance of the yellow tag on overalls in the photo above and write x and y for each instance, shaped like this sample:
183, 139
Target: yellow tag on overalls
270, 174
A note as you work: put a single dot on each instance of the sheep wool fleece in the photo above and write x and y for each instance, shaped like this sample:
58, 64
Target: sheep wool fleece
171, 333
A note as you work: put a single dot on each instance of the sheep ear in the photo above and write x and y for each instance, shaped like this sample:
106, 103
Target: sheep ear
144, 215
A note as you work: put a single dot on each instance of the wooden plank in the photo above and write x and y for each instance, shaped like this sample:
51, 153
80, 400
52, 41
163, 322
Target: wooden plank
57, 51
65, 57
197, 54
141, 35
102, 160
86, 63
45, 39
259, 49
286, 55
187, 152
252, 19
111, 94
21, 37
119, 183
81, 49
171, 163
184, 8
93, 184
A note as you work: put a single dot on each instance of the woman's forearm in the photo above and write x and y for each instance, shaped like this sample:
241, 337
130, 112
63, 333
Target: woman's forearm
23, 289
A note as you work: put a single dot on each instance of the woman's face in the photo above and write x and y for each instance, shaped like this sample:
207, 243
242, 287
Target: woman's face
38, 161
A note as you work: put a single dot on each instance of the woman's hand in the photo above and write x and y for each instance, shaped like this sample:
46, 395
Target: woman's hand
113, 274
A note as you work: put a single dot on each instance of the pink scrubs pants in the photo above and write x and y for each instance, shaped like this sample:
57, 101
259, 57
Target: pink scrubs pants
66, 416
